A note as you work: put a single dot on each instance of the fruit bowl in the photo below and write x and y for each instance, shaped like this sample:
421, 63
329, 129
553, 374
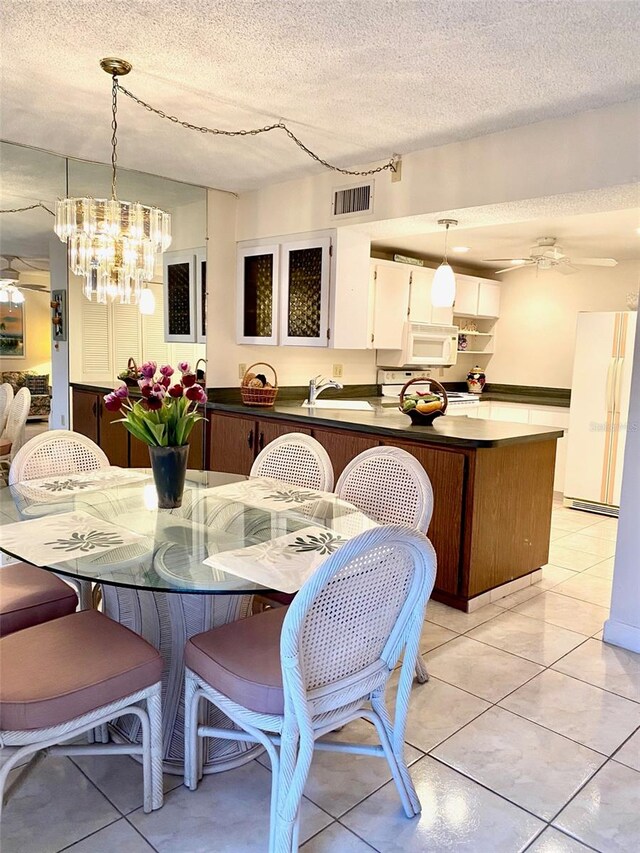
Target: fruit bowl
424, 408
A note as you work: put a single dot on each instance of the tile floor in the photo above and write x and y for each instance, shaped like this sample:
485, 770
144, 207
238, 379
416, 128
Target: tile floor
527, 737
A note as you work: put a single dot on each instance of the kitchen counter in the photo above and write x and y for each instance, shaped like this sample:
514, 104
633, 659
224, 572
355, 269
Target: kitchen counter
458, 430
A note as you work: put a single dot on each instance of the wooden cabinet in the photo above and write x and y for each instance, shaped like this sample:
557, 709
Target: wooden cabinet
342, 446
184, 278
420, 308
91, 418
488, 299
84, 412
446, 470
235, 441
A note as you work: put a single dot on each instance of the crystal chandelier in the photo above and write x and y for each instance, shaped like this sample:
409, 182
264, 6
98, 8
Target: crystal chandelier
112, 243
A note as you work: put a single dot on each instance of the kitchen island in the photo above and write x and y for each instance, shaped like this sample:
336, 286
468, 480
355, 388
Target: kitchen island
492, 480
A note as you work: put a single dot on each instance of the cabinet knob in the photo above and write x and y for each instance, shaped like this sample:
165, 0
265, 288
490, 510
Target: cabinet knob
261, 441
250, 439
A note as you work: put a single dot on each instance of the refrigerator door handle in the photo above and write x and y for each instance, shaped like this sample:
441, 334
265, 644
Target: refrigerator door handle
616, 384
608, 394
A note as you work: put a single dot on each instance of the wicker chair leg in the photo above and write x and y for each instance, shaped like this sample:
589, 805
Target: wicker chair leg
291, 788
192, 697
422, 676
154, 710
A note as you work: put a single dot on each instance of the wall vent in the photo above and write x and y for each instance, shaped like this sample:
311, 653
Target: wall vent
353, 200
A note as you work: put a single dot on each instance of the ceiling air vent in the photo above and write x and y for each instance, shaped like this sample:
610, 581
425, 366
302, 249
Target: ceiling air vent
353, 200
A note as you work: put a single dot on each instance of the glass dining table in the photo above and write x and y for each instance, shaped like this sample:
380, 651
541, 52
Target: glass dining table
170, 574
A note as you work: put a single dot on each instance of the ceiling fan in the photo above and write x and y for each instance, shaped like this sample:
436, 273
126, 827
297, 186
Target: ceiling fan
546, 255
10, 277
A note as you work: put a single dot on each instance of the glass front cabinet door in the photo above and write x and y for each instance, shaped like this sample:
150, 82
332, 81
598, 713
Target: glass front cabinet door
185, 294
258, 277
304, 311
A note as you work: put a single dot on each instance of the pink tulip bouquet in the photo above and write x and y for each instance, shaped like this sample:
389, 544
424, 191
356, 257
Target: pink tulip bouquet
168, 410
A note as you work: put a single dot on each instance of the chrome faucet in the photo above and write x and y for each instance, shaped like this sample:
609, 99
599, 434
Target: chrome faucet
315, 390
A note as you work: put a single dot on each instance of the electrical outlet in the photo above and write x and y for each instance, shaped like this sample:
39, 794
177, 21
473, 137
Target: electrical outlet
242, 369
337, 371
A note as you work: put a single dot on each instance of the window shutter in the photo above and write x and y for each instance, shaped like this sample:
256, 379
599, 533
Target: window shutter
96, 356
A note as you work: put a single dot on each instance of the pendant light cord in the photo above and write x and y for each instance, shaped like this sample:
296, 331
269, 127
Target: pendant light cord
114, 137
446, 239
390, 165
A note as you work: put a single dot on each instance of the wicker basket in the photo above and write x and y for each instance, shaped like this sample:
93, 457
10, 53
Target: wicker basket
419, 417
129, 380
259, 396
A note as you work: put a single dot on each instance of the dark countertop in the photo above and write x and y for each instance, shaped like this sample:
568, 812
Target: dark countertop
455, 431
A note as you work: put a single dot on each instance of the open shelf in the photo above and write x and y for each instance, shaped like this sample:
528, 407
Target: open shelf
474, 352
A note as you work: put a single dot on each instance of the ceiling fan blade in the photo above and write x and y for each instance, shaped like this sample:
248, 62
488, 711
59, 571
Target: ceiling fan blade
595, 262
39, 287
504, 260
514, 267
566, 268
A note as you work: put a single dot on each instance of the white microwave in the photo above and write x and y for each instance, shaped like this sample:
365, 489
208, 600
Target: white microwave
423, 345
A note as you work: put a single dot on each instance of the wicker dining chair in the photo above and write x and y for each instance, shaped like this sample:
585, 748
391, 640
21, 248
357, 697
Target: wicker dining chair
6, 396
289, 676
295, 458
29, 596
391, 487
59, 451
13, 431
70, 675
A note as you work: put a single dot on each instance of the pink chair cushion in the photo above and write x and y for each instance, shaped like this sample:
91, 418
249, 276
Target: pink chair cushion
29, 596
242, 660
62, 669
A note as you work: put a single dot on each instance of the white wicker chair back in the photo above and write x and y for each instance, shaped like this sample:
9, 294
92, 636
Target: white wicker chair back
345, 630
6, 396
16, 420
389, 485
57, 451
297, 459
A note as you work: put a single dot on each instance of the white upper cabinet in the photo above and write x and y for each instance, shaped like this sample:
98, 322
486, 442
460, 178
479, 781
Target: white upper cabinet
258, 290
304, 292
308, 291
420, 308
476, 297
391, 287
184, 278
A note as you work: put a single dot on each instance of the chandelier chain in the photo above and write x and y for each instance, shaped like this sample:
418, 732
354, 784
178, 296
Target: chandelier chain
114, 137
390, 165
29, 207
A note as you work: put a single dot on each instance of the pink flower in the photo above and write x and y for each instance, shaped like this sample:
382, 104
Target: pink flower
121, 391
148, 369
159, 390
183, 367
167, 370
154, 402
145, 389
112, 402
196, 394
188, 379
165, 381
176, 390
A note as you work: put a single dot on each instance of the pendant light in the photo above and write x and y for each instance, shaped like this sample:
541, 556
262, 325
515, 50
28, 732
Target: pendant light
443, 288
112, 243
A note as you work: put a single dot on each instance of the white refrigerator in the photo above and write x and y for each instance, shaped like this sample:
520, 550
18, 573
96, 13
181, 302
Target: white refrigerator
599, 407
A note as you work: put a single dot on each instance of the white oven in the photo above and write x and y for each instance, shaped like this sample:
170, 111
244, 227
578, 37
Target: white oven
423, 345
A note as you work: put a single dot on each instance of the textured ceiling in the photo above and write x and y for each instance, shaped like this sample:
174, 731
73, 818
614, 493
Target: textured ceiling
357, 79
604, 234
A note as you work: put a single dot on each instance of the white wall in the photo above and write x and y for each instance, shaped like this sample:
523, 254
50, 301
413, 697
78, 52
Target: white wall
568, 155
536, 330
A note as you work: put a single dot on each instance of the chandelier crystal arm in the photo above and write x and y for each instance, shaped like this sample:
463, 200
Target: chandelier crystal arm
390, 165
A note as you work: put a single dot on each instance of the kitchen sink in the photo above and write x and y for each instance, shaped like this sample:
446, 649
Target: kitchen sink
349, 405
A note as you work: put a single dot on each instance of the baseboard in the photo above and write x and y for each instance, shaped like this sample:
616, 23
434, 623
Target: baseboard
621, 634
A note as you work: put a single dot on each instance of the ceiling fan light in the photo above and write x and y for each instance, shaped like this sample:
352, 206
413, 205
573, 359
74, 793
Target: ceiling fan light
443, 288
